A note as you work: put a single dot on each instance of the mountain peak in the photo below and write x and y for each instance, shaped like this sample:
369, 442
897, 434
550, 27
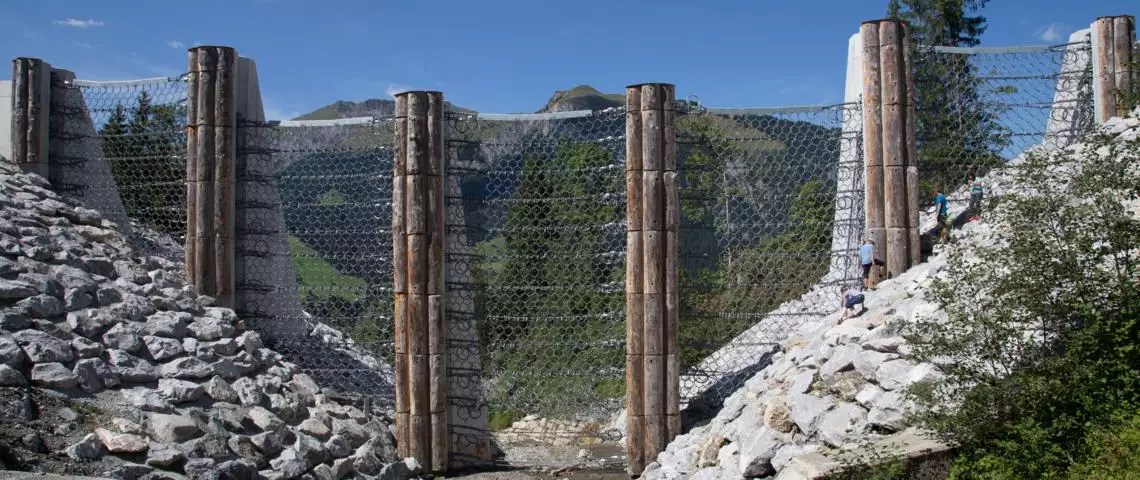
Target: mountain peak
582, 97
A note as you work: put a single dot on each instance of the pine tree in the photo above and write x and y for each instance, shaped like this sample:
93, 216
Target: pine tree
957, 133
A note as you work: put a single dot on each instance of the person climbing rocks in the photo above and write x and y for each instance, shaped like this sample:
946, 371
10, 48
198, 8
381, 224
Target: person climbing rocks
852, 297
976, 191
943, 215
868, 260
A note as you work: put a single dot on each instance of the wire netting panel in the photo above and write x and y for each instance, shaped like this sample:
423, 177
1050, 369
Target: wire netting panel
120, 148
771, 212
536, 253
977, 109
314, 249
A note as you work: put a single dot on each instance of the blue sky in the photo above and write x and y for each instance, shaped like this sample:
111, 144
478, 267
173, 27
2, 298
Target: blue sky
496, 55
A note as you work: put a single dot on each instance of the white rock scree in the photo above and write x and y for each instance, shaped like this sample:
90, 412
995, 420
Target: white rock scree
111, 366
835, 385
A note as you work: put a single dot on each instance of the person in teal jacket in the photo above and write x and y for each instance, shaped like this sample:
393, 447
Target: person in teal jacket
943, 215
976, 191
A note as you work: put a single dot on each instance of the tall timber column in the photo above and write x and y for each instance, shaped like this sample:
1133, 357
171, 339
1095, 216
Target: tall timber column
211, 124
653, 214
889, 144
417, 249
1114, 64
31, 97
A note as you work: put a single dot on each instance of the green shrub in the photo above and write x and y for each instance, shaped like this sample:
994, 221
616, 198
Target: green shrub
1042, 329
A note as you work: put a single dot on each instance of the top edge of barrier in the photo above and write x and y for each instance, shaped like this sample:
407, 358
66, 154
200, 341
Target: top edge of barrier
336, 122
770, 110
126, 83
507, 117
998, 50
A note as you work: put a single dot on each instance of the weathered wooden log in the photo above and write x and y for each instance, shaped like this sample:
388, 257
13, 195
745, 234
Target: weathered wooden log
898, 240
436, 220
417, 263
435, 133
915, 245
417, 144
36, 111
417, 328
440, 442
668, 128
633, 194
437, 328
419, 433
653, 339
895, 198
399, 235
652, 145
873, 134
20, 95
634, 265
437, 389
225, 159
204, 245
400, 161
653, 200
190, 254
635, 441
1105, 74
654, 263
635, 385
1123, 37
633, 130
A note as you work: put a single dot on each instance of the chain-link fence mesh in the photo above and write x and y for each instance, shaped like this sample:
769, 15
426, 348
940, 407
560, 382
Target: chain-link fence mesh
977, 109
764, 194
314, 249
536, 255
120, 148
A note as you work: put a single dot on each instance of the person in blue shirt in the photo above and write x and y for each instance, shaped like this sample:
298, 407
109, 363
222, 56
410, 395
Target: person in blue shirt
867, 260
943, 215
852, 297
975, 199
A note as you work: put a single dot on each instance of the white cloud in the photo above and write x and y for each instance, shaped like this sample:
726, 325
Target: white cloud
394, 88
76, 23
1050, 33
85, 46
175, 44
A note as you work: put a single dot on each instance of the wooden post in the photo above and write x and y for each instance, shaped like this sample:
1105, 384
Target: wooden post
1104, 76
893, 85
914, 246
31, 98
421, 328
653, 214
1123, 39
873, 138
211, 154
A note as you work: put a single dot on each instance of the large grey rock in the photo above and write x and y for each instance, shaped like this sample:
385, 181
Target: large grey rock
888, 412
243, 469
270, 443
210, 445
180, 391
43, 348
75, 300
843, 358
13, 321
305, 388
787, 452
220, 391
122, 442
801, 383
248, 391
15, 290
250, 341
840, 423
264, 419
311, 449
89, 448
130, 471
315, 427
133, 307
108, 296
123, 337
209, 329
44, 284
132, 368
74, 278
868, 394
342, 467
290, 464
807, 410
244, 447
223, 347
172, 428
42, 306
287, 406
94, 374
90, 323
339, 446
86, 348
164, 456
350, 430
161, 348
53, 375
894, 375
869, 362
10, 377
10, 353
403, 470
146, 399
186, 368
757, 452
168, 324
202, 468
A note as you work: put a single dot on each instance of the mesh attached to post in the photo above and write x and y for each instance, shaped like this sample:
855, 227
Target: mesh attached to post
314, 250
120, 148
536, 253
771, 213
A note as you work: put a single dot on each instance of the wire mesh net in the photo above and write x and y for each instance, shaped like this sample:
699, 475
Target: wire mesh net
977, 109
314, 249
771, 212
120, 148
536, 252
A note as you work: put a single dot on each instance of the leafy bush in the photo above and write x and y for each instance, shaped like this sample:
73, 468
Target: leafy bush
1040, 343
